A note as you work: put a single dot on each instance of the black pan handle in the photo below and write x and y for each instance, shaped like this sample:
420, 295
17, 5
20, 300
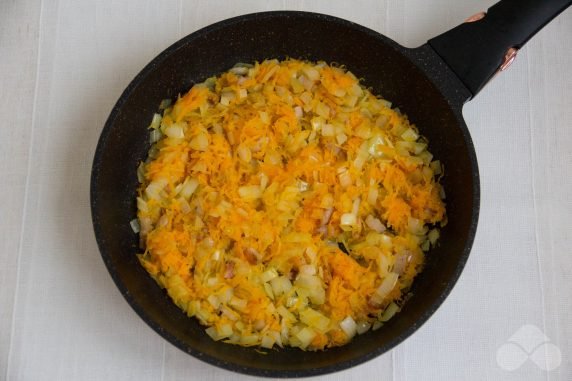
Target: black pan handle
477, 49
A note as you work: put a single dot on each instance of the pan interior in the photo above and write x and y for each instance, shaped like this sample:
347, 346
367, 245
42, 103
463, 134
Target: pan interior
384, 67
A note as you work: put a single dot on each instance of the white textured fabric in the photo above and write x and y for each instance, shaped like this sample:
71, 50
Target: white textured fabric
63, 64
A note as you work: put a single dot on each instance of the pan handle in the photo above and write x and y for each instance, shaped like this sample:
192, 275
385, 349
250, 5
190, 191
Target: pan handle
487, 43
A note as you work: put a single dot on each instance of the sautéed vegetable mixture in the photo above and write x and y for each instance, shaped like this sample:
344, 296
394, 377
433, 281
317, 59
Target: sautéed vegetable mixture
283, 204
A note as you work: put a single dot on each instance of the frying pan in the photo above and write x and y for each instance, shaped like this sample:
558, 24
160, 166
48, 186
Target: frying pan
429, 83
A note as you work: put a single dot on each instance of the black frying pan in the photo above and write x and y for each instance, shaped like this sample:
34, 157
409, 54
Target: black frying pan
430, 84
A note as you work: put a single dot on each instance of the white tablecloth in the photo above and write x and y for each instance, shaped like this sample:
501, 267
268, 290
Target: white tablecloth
63, 64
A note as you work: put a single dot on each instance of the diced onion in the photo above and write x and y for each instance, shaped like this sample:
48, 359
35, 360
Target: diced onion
303, 186
213, 300
277, 337
348, 220
156, 121
433, 236
263, 180
415, 226
339, 92
418, 149
264, 117
239, 70
372, 195
308, 270
269, 292
311, 73
200, 142
154, 136
341, 138
297, 86
212, 332
164, 104
226, 98
225, 330
142, 205
175, 131
267, 342
225, 296
285, 313
436, 167
350, 100
401, 260
202, 315
362, 327
391, 310
185, 207
306, 97
345, 179
327, 201
154, 188
249, 340
238, 303
410, 135
355, 206
314, 319
348, 325
363, 131
328, 130
141, 172
387, 285
299, 112
313, 285
374, 143
199, 167
230, 314
323, 110
189, 187
317, 123
291, 301
268, 275
250, 192
305, 335
135, 225
374, 224
244, 153
311, 253
280, 285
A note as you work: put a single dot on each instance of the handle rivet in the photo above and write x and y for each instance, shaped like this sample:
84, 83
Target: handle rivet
509, 57
476, 17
